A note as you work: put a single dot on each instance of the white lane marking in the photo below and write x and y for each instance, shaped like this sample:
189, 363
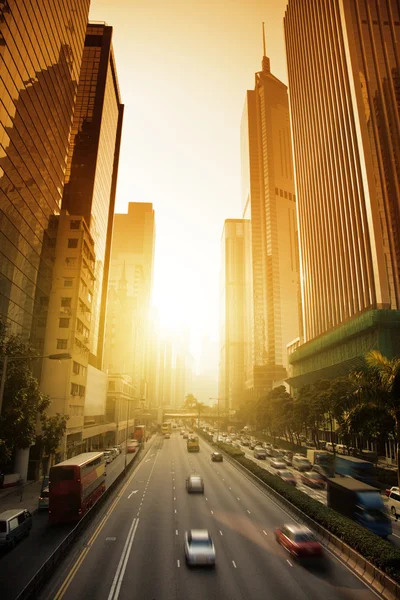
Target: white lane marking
248, 511
395, 535
212, 512
206, 499
230, 488
147, 459
134, 492
110, 539
178, 562
173, 487
288, 562
174, 497
175, 511
234, 564
119, 575
238, 498
176, 532
264, 532
221, 532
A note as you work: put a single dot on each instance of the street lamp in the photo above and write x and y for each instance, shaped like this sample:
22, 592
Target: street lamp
6, 359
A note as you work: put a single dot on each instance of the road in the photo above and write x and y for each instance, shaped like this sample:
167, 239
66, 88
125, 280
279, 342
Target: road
317, 494
136, 549
19, 565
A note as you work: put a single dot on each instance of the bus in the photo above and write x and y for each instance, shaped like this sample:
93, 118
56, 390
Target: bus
75, 485
193, 444
166, 427
139, 433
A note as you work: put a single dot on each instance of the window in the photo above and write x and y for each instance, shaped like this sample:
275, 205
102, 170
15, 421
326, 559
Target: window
64, 323
13, 523
73, 243
276, 191
62, 344
76, 368
68, 282
111, 386
74, 389
66, 302
74, 224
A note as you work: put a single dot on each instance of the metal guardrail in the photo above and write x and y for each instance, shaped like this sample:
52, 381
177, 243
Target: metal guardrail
374, 577
42, 576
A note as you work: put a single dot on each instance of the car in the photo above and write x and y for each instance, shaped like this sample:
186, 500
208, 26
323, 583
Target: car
236, 444
324, 472
167, 436
217, 457
392, 489
299, 541
394, 502
14, 525
260, 453
312, 479
43, 503
245, 443
287, 458
199, 548
228, 440
287, 476
118, 449
185, 436
108, 456
195, 484
310, 443
277, 463
113, 451
322, 444
301, 463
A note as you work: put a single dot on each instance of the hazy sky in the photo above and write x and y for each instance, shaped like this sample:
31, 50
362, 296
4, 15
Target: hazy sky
183, 68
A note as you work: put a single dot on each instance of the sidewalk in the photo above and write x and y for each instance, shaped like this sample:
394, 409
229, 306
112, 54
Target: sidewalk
25, 496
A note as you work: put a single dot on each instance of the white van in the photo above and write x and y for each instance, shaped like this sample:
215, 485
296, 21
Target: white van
329, 446
301, 463
14, 524
394, 502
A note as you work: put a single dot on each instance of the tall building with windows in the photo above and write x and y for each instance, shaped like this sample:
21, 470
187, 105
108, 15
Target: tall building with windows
233, 314
92, 168
269, 202
343, 66
40, 63
131, 277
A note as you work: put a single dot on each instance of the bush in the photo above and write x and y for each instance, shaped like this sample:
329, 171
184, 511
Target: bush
379, 552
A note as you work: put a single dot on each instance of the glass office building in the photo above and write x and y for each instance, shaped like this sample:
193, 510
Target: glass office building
93, 163
40, 61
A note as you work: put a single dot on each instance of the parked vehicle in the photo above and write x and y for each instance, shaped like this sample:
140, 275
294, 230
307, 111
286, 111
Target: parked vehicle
118, 449
362, 470
139, 433
299, 541
14, 524
287, 476
329, 446
108, 456
360, 502
43, 503
312, 479
301, 463
132, 446
75, 485
394, 502
392, 489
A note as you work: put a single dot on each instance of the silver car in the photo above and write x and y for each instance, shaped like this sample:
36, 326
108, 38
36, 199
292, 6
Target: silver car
199, 548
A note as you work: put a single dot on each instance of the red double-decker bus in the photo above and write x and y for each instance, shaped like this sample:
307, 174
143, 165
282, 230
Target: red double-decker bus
75, 485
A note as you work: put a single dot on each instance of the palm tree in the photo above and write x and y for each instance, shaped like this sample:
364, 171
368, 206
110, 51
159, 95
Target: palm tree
379, 385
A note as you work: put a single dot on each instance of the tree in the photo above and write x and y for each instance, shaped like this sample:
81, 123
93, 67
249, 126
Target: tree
190, 401
379, 386
22, 400
52, 431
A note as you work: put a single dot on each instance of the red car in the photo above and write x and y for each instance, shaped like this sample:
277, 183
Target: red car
312, 479
299, 541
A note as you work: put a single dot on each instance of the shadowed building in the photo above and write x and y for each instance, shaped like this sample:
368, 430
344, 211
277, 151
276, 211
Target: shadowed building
93, 158
343, 61
40, 61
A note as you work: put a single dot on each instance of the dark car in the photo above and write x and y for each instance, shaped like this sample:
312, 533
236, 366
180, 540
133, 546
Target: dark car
299, 541
287, 458
323, 472
217, 457
312, 479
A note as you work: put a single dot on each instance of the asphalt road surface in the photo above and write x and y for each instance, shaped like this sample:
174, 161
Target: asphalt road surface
19, 565
135, 549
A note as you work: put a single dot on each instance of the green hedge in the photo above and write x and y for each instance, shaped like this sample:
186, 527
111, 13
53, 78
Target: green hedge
376, 550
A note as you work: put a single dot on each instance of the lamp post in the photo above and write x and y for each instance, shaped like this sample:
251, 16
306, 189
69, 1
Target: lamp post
7, 359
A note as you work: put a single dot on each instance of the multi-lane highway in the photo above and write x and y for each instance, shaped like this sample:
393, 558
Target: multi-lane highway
135, 549
20, 564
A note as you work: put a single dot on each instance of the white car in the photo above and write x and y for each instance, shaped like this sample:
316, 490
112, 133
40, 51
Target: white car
199, 548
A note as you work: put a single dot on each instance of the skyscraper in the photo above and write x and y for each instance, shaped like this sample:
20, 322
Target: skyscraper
343, 66
132, 258
233, 314
93, 158
269, 202
40, 61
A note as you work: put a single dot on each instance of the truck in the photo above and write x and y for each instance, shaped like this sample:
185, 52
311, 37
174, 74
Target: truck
139, 433
361, 503
363, 470
323, 459
193, 444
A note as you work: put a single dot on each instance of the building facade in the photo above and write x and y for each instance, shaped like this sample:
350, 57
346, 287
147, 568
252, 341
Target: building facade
343, 67
130, 288
269, 202
233, 314
40, 62
92, 168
